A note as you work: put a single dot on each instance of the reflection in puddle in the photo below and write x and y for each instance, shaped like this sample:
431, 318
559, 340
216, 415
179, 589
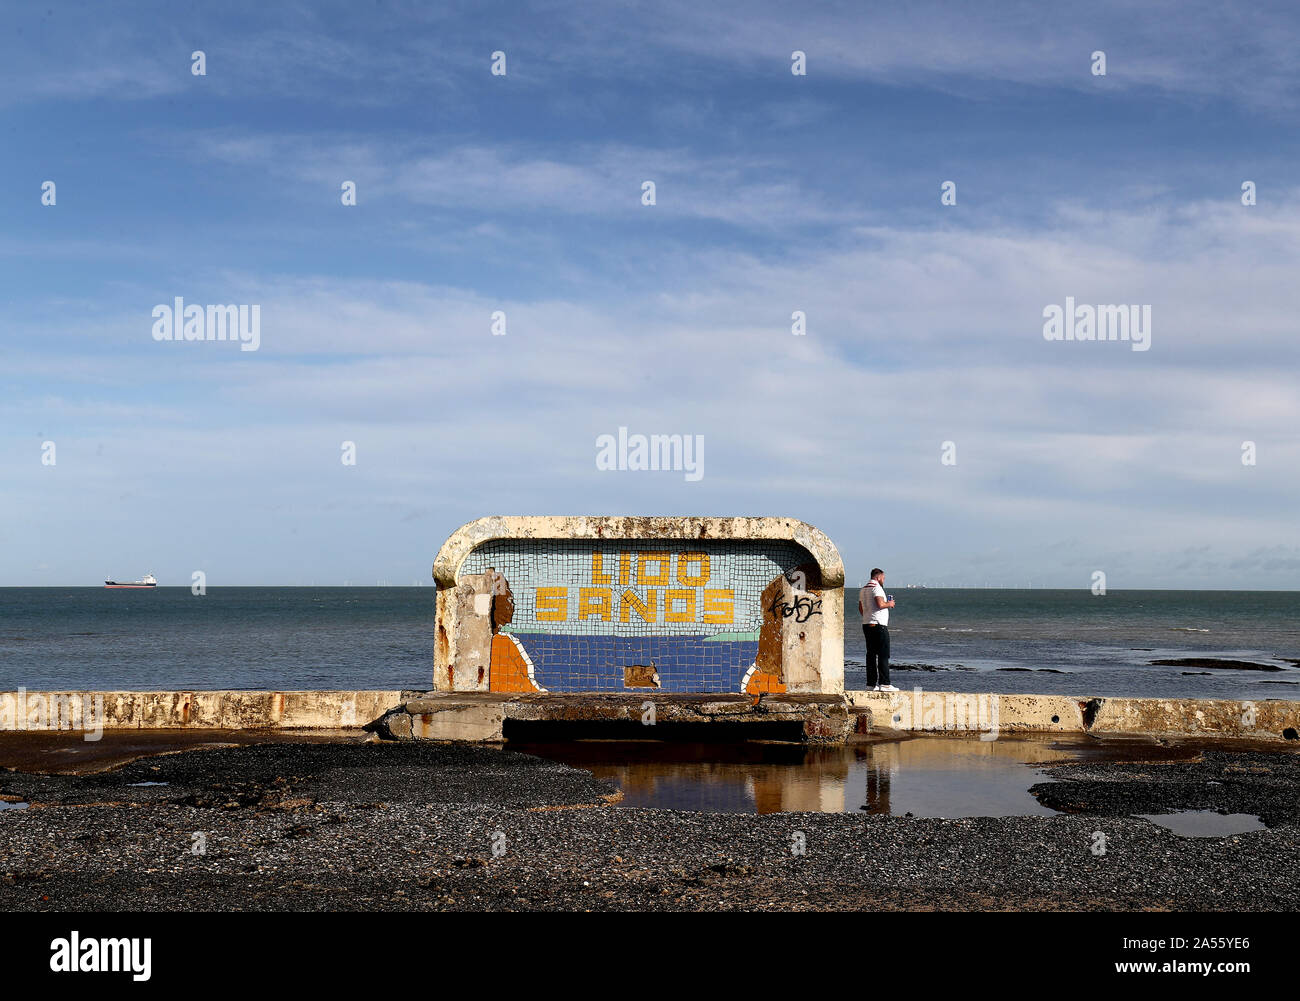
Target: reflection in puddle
922, 776
1205, 823
139, 784
12, 806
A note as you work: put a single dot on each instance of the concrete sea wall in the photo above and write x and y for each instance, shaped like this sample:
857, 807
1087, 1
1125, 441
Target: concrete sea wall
482, 717
226, 710
1266, 720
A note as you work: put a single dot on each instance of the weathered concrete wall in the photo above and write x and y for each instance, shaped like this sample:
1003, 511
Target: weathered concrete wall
463, 647
1273, 719
228, 710
966, 712
687, 631
970, 711
480, 716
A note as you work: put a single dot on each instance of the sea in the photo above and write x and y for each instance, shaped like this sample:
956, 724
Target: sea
944, 639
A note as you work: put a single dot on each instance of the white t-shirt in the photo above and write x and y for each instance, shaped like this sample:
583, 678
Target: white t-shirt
871, 615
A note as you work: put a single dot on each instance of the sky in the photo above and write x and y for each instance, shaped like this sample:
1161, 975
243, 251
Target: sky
922, 420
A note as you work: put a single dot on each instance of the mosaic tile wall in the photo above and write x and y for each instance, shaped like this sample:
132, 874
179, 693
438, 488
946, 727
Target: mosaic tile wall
585, 613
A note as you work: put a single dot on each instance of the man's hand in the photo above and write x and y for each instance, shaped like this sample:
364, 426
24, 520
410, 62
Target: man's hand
889, 604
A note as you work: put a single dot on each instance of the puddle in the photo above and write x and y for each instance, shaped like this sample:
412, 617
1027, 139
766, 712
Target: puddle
13, 806
923, 776
137, 785
1205, 823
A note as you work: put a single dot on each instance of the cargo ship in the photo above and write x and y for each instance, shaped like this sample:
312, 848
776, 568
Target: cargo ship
148, 580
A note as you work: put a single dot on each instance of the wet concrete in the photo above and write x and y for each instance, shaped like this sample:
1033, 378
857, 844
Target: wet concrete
68, 752
297, 775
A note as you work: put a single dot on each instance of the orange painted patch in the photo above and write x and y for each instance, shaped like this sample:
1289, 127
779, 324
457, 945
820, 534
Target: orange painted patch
508, 669
761, 682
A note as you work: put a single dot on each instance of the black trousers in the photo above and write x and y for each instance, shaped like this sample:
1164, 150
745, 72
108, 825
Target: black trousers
877, 655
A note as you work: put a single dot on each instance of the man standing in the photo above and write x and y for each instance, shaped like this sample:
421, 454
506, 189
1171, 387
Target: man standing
874, 606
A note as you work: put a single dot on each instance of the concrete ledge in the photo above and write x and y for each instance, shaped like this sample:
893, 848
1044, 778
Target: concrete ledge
478, 717
481, 716
1253, 720
972, 712
218, 710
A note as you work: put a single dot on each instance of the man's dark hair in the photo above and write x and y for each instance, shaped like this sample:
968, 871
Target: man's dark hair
876, 570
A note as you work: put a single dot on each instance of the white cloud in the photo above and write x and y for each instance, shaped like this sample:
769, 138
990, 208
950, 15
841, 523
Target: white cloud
916, 336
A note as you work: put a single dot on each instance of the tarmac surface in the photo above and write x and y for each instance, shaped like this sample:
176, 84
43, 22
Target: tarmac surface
348, 825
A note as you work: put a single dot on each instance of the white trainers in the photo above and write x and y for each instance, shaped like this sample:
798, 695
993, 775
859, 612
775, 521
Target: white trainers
886, 688
876, 688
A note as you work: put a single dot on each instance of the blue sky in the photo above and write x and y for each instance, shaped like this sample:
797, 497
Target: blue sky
774, 193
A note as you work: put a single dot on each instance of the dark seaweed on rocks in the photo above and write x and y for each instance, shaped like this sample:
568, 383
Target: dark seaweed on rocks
1216, 663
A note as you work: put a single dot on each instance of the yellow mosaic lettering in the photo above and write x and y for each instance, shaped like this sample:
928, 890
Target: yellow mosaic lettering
688, 579
594, 601
659, 578
719, 607
552, 604
645, 609
671, 614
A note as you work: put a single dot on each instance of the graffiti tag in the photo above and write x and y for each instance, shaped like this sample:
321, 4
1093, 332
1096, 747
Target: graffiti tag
803, 608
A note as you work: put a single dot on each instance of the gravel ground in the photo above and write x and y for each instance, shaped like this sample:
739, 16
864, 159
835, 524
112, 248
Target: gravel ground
427, 827
1261, 783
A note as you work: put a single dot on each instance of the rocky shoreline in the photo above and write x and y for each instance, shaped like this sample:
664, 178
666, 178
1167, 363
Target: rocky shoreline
412, 826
